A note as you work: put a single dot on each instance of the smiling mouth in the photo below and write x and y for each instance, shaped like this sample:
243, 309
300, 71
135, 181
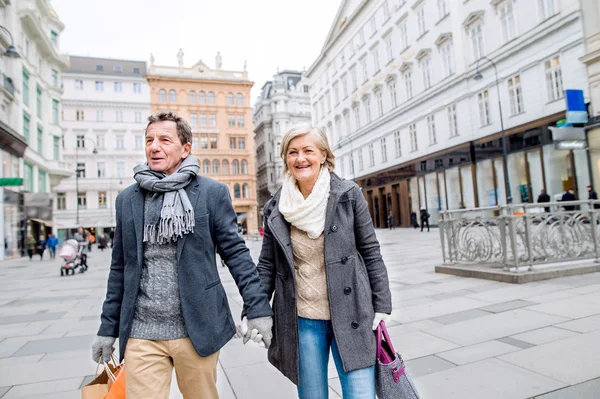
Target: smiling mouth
303, 167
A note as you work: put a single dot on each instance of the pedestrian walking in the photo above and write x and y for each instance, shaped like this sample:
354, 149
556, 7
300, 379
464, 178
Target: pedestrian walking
40, 247
30, 244
413, 220
390, 220
592, 195
52, 243
82, 239
339, 292
424, 218
543, 198
91, 240
569, 195
164, 299
102, 242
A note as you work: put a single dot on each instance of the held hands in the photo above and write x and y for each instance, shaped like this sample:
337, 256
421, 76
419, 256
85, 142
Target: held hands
258, 330
387, 318
103, 347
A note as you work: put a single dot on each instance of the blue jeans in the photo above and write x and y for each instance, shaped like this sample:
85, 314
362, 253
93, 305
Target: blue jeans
315, 339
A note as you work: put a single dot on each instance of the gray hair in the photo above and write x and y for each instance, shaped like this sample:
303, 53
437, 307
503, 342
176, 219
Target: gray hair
184, 131
320, 138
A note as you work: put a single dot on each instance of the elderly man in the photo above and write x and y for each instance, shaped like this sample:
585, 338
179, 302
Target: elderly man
164, 300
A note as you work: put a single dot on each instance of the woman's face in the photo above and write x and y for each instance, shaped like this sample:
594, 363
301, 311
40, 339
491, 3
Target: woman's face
304, 159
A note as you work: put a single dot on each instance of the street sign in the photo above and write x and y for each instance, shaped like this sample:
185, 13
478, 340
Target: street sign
570, 145
11, 181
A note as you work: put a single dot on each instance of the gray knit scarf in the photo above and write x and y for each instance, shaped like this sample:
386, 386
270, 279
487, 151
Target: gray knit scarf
170, 214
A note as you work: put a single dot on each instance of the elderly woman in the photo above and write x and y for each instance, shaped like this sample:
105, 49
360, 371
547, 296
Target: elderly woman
321, 261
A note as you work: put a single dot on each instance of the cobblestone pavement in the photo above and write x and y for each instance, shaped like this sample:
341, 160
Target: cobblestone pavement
462, 338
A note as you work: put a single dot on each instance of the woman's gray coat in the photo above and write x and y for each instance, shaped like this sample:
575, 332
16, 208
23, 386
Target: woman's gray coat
357, 280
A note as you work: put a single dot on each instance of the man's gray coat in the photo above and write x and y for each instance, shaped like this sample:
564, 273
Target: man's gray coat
357, 280
204, 306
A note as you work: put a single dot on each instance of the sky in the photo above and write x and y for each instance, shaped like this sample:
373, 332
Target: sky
269, 34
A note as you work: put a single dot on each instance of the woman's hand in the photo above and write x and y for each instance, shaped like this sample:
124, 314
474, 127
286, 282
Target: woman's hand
386, 318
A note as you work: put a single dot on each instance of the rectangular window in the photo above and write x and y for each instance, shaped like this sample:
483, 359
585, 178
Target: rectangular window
101, 166
363, 67
195, 143
38, 101
442, 8
204, 142
484, 108
386, 10
118, 87
361, 37
231, 120
137, 87
403, 36
26, 127
393, 94
371, 155
99, 115
28, 177
328, 101
137, 116
118, 68
367, 102
241, 143
99, 68
412, 130
202, 119
54, 77
102, 199
375, 53
421, 21
119, 116
100, 141
361, 163
336, 94
99, 85
547, 8
61, 201
80, 142
452, 120
515, 95
240, 121
139, 142
397, 144
408, 84
431, 129
344, 80
232, 143
383, 150
25, 87
379, 99
42, 181
476, 33
81, 200
194, 119
78, 84
120, 141
79, 115
212, 118
447, 58
80, 171
120, 169
507, 20
136, 70
373, 23
347, 122
554, 82
426, 69
389, 48
213, 143
56, 148
353, 78
357, 117
54, 38
40, 139
55, 113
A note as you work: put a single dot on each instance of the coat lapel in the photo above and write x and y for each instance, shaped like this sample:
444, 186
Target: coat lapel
280, 228
137, 210
192, 191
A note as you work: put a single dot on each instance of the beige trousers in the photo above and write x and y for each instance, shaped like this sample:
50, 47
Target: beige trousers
149, 367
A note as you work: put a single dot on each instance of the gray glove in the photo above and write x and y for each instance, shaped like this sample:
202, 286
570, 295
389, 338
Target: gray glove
264, 326
103, 346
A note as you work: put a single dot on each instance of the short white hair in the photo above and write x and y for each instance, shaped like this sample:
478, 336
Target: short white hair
320, 138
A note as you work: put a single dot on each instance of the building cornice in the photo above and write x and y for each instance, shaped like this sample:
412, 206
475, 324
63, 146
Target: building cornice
103, 104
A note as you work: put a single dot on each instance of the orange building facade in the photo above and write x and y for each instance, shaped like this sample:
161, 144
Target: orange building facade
216, 103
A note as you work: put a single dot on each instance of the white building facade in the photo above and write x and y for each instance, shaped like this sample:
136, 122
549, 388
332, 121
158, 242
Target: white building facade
30, 106
105, 109
283, 103
395, 88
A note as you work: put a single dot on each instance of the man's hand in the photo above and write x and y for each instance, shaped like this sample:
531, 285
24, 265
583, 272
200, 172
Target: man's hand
259, 330
103, 347
387, 318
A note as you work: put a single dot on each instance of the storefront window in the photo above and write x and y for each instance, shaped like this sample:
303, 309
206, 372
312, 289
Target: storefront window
433, 199
536, 173
566, 169
518, 178
414, 195
500, 183
453, 186
468, 192
485, 183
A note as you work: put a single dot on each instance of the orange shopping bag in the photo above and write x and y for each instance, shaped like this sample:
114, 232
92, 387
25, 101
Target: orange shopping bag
117, 385
98, 388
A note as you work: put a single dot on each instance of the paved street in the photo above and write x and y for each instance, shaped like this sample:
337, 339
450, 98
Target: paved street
462, 338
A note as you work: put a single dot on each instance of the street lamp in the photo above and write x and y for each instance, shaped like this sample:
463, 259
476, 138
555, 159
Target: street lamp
479, 76
77, 171
11, 51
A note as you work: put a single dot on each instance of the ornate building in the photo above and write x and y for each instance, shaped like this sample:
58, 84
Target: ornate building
283, 102
216, 103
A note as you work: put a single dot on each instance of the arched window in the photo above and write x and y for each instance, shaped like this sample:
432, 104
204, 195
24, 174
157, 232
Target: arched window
225, 167
211, 97
245, 191
215, 167
236, 190
206, 167
202, 97
192, 97
239, 99
172, 96
244, 167
235, 167
162, 96
230, 99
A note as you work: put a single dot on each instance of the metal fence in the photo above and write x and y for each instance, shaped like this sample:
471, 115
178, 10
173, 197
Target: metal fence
517, 237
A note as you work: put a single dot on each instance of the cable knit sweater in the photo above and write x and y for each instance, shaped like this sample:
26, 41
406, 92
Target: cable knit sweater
311, 280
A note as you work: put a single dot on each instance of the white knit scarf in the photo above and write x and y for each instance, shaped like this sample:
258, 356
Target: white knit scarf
306, 214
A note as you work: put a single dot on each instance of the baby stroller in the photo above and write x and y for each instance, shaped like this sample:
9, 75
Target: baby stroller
73, 254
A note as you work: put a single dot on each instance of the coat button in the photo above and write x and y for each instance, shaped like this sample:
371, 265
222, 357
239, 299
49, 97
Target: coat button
334, 228
354, 325
347, 290
344, 259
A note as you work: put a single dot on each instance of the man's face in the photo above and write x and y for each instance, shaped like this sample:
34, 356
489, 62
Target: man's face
164, 151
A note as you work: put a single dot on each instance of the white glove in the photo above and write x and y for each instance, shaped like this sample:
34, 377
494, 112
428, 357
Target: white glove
254, 336
387, 318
